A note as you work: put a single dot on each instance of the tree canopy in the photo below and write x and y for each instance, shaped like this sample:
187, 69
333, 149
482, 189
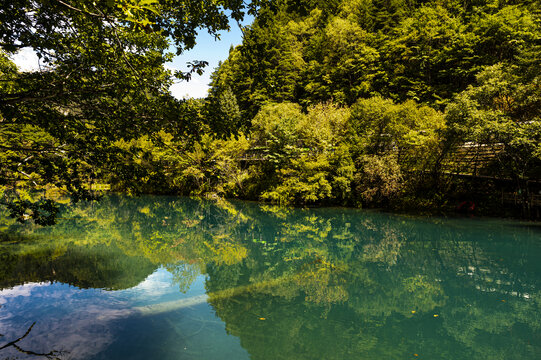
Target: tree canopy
101, 79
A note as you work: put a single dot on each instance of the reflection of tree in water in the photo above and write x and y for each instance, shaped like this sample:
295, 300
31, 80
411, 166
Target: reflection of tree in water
183, 274
118, 242
328, 284
54, 355
98, 266
350, 287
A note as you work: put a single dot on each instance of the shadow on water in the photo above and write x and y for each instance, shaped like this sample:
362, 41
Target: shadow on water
238, 280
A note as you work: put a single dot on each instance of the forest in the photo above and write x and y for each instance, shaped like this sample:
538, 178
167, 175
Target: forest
414, 105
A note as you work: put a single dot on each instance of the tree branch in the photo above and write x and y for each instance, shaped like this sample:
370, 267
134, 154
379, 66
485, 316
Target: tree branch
50, 355
79, 10
12, 343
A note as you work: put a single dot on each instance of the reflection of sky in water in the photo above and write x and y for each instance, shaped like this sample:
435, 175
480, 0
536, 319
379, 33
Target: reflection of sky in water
23, 290
95, 323
304, 284
159, 287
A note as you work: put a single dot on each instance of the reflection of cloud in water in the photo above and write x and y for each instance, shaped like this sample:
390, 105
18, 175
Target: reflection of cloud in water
22, 290
82, 322
80, 334
67, 319
156, 284
162, 286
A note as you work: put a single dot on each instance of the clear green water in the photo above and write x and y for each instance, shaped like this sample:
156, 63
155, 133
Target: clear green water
175, 278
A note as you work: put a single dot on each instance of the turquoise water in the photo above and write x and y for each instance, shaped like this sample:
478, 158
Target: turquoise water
176, 278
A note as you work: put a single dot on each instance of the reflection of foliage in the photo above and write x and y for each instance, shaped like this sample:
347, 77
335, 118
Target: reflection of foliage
328, 283
183, 275
118, 242
43, 211
424, 291
368, 277
322, 285
228, 254
384, 247
98, 266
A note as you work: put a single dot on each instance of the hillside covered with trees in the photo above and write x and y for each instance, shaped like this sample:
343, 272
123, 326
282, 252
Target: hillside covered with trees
398, 104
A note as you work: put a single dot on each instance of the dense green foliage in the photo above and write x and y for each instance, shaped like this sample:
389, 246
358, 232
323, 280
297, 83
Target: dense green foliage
353, 102
419, 90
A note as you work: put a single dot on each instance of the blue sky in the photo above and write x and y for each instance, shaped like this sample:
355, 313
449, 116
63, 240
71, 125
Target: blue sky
208, 49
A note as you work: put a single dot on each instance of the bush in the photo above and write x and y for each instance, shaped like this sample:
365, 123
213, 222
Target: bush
379, 180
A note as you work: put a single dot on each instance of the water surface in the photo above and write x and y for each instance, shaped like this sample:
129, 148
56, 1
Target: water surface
176, 278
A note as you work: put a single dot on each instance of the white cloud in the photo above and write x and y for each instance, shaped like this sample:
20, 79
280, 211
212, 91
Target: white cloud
156, 284
26, 59
197, 87
21, 290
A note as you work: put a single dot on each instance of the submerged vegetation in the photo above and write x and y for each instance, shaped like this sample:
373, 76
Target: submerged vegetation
397, 104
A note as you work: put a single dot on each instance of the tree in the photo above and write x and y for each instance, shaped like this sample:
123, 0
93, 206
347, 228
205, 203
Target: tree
344, 64
502, 111
222, 110
409, 130
102, 78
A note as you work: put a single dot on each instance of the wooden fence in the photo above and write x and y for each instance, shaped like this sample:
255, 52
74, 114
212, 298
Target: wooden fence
472, 159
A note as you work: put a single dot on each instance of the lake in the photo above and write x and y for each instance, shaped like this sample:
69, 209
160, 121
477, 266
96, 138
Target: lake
179, 278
